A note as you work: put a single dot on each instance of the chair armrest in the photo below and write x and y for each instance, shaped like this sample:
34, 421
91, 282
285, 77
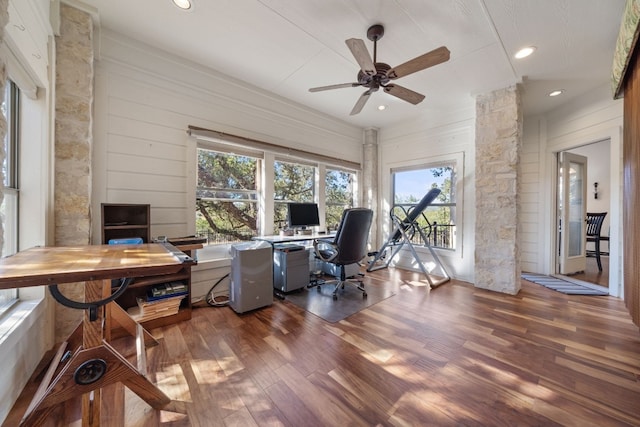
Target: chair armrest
320, 245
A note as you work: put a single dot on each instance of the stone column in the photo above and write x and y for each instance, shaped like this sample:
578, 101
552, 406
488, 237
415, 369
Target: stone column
498, 144
370, 179
73, 140
4, 19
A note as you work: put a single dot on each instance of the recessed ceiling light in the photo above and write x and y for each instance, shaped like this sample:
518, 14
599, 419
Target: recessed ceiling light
556, 92
524, 52
183, 4
382, 107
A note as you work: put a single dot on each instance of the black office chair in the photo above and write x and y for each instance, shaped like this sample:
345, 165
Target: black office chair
594, 228
349, 246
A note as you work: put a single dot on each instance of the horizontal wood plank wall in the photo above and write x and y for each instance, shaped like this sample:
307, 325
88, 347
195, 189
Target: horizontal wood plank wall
145, 101
631, 199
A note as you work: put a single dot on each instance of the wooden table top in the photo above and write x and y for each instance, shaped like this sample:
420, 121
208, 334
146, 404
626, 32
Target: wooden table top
50, 265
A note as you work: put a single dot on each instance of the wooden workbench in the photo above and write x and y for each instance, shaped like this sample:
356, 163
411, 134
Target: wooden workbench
86, 361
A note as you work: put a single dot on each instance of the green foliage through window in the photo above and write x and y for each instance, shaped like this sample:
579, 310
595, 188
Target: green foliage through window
226, 197
293, 183
339, 191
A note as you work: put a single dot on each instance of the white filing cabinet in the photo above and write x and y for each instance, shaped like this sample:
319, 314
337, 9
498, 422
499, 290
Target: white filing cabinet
251, 285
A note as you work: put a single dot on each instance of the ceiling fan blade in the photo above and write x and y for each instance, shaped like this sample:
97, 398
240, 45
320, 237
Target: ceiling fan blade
360, 52
338, 86
360, 103
429, 59
404, 93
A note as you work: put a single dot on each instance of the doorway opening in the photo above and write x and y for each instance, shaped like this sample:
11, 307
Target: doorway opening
583, 187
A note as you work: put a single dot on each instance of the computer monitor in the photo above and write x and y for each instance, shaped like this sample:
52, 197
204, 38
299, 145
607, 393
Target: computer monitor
302, 215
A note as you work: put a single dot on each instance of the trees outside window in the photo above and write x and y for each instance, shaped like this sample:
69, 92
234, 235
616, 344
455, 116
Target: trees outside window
410, 186
230, 190
293, 182
339, 189
226, 197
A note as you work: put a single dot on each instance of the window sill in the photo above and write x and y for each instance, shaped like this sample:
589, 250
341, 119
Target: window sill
212, 257
17, 320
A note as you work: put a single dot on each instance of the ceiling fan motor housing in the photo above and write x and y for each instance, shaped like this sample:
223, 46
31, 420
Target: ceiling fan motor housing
380, 78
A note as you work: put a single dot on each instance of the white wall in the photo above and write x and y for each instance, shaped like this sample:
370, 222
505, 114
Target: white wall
591, 118
429, 140
145, 101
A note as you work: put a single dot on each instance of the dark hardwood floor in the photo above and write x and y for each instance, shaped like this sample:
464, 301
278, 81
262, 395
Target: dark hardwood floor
450, 356
591, 273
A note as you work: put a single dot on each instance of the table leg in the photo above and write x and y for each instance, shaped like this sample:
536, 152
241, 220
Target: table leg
96, 364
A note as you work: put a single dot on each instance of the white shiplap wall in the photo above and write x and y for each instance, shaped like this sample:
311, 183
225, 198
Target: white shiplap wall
532, 201
146, 99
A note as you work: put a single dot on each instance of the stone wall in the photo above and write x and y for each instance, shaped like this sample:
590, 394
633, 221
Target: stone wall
73, 141
498, 144
4, 19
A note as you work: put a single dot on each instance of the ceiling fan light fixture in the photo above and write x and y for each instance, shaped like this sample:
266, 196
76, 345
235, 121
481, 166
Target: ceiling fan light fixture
524, 52
382, 107
184, 4
556, 92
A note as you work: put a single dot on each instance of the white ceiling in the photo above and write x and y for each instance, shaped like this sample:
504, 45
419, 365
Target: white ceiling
287, 46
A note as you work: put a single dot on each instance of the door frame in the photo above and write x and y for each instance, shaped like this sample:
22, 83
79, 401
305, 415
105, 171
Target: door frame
553, 148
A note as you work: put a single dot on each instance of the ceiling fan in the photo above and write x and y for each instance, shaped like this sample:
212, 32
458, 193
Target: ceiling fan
375, 75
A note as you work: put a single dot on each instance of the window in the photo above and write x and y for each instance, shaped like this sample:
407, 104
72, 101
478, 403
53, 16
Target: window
439, 219
293, 182
226, 197
339, 189
243, 186
9, 206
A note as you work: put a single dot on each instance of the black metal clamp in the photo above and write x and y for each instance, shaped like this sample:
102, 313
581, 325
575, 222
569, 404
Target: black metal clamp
92, 306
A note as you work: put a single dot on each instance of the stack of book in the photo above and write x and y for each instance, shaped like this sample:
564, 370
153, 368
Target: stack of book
167, 290
161, 300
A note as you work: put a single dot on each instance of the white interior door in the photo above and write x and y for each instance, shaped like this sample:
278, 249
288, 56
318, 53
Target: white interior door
572, 212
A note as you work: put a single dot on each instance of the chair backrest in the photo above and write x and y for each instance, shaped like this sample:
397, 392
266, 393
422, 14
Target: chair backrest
413, 213
594, 223
352, 235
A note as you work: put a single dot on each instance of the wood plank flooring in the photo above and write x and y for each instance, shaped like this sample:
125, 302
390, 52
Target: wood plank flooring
450, 356
591, 273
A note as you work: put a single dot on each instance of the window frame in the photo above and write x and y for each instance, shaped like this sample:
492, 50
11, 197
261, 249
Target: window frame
10, 185
353, 192
457, 161
314, 192
249, 193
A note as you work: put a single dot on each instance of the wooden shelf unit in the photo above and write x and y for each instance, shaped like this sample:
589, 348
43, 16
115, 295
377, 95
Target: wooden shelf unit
125, 220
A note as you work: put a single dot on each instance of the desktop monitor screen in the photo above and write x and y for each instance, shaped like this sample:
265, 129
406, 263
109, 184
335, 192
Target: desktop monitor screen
302, 215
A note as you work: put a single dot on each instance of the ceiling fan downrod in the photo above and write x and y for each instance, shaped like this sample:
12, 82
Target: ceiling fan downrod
375, 33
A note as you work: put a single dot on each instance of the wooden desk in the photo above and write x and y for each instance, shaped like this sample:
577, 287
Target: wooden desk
278, 238
86, 362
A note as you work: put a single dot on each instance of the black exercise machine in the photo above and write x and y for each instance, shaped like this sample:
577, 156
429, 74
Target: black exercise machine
406, 226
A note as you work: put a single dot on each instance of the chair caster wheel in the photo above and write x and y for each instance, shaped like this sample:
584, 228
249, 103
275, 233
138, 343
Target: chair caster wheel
364, 295
318, 289
335, 297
